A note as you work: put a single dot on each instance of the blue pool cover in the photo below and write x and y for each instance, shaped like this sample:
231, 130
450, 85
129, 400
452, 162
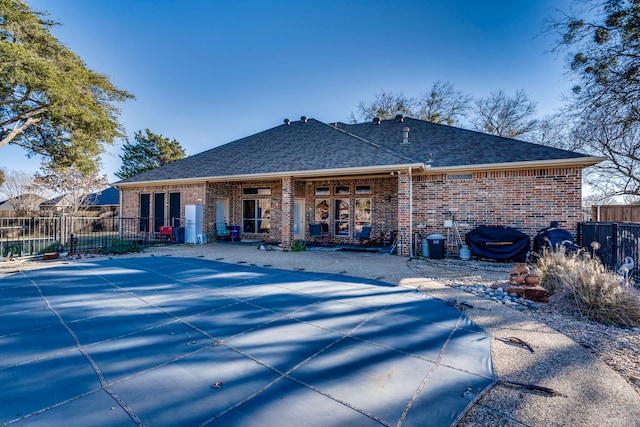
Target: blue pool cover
176, 341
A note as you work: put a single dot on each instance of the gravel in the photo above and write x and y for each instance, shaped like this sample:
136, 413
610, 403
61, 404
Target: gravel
618, 347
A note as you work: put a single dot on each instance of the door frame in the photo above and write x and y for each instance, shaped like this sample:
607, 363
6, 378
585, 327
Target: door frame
300, 235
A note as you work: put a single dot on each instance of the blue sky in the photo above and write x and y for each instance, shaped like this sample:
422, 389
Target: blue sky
207, 72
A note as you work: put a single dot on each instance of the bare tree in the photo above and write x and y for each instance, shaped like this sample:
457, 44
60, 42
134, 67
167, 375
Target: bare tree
443, 104
603, 43
501, 115
599, 134
75, 187
386, 105
19, 189
557, 130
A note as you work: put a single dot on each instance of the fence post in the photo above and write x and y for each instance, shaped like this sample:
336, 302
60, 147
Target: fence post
615, 238
579, 236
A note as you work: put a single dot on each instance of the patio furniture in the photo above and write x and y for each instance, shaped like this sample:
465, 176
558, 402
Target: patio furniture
319, 231
363, 234
222, 231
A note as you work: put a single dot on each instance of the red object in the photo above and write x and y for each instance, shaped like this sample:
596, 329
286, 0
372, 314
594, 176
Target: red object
166, 230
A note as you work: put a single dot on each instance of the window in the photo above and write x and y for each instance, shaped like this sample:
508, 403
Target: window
363, 189
341, 217
342, 190
256, 216
322, 207
322, 191
363, 214
265, 191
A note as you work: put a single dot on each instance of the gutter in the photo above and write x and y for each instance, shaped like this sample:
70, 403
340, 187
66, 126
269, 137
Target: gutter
386, 169
580, 161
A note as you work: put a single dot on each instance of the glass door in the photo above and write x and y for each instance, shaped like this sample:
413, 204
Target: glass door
298, 219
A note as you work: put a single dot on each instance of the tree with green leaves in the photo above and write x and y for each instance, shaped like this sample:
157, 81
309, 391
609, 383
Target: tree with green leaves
51, 104
602, 38
150, 151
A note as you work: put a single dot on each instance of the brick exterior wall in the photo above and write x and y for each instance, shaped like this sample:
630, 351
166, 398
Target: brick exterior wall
287, 212
189, 195
524, 199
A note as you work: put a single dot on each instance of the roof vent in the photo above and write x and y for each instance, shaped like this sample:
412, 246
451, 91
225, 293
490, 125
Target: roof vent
303, 119
405, 135
376, 120
287, 121
399, 118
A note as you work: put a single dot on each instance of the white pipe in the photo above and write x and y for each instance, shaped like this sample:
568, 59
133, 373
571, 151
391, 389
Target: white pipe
411, 254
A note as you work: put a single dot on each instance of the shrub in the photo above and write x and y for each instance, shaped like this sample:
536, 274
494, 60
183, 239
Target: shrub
119, 246
589, 287
298, 246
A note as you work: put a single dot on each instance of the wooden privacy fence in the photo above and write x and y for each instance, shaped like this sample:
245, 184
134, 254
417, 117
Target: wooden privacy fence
615, 241
616, 213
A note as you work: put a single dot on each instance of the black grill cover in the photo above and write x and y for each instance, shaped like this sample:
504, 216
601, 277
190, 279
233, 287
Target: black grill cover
500, 243
552, 237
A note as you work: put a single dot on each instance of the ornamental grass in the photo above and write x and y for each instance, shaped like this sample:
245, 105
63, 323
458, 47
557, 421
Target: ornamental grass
587, 287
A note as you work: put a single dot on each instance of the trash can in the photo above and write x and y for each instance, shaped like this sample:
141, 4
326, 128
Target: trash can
178, 236
235, 233
436, 246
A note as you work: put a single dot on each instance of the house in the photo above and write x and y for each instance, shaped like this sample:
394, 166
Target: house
401, 177
25, 204
100, 203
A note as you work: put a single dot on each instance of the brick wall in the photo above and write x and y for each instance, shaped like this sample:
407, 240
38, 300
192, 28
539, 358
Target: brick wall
524, 199
189, 195
527, 200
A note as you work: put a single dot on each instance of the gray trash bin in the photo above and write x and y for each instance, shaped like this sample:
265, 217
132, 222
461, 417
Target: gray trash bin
425, 247
436, 246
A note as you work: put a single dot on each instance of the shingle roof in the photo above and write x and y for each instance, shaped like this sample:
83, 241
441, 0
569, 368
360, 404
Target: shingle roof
310, 145
451, 146
106, 197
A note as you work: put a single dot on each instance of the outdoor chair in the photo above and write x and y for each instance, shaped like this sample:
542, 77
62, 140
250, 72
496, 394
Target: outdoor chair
222, 232
315, 231
319, 231
363, 234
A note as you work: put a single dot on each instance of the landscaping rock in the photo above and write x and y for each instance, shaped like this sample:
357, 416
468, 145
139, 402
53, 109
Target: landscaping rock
536, 293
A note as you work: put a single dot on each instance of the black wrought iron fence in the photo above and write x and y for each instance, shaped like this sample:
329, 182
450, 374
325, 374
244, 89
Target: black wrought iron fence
31, 236
612, 242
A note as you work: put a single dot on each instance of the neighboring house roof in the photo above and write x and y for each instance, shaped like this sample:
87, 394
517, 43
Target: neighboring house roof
312, 148
107, 197
9, 204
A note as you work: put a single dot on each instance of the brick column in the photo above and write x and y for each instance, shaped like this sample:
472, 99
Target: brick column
288, 203
404, 238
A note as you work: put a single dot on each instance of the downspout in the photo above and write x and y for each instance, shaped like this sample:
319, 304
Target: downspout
411, 254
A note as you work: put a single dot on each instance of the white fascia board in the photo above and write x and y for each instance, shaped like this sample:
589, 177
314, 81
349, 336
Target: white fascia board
278, 175
579, 161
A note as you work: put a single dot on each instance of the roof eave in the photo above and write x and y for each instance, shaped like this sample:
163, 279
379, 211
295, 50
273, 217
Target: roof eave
573, 162
278, 175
